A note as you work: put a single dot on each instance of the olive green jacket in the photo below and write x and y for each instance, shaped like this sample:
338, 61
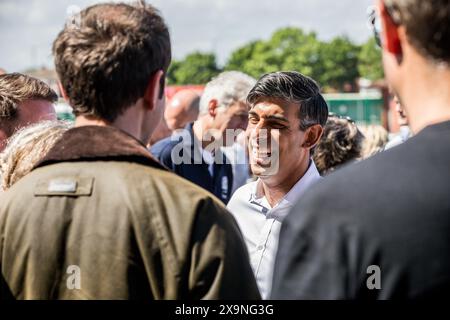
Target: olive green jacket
99, 218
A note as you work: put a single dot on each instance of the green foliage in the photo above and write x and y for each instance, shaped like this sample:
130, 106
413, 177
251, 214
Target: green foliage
338, 63
334, 64
195, 68
287, 49
370, 65
252, 59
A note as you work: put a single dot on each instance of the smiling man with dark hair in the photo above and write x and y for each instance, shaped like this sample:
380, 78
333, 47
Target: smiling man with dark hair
380, 229
287, 113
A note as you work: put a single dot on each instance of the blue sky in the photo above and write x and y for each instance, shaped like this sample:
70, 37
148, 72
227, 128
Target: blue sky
28, 27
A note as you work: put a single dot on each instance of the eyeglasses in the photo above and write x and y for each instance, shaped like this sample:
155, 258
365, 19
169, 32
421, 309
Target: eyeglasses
374, 23
334, 115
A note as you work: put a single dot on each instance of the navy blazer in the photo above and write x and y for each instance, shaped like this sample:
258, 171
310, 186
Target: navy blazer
183, 146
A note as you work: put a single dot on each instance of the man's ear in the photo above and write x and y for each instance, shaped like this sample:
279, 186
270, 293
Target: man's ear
154, 88
63, 92
212, 108
312, 136
390, 32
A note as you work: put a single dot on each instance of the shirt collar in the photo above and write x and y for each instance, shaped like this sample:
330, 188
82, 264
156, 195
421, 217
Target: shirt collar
311, 175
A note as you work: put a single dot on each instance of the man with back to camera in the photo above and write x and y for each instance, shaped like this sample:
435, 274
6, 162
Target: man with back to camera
287, 113
195, 152
24, 100
99, 218
380, 228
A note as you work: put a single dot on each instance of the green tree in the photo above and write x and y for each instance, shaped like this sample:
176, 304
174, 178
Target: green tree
195, 68
339, 63
332, 64
297, 50
287, 49
369, 61
239, 57
254, 59
174, 66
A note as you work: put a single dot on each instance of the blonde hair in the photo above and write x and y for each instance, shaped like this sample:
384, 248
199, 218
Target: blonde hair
26, 148
375, 140
16, 88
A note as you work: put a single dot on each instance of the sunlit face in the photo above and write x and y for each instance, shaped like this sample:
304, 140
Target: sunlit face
173, 114
275, 139
180, 111
29, 112
33, 111
232, 120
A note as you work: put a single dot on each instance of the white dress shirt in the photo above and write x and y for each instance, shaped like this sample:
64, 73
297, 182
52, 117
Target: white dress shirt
208, 158
238, 159
260, 223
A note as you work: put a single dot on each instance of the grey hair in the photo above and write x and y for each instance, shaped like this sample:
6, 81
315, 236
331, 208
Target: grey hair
26, 148
227, 88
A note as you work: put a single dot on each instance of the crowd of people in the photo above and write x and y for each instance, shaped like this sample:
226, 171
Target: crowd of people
250, 189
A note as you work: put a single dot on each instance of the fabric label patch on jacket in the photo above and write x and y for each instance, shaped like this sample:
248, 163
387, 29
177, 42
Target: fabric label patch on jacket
65, 186
62, 186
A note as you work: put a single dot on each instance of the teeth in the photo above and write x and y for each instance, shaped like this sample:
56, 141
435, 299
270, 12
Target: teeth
264, 158
261, 154
261, 151
261, 144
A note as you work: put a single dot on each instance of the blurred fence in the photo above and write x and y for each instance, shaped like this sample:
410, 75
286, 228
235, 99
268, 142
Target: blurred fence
363, 108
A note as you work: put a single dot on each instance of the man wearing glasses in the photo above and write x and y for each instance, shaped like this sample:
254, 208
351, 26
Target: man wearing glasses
380, 229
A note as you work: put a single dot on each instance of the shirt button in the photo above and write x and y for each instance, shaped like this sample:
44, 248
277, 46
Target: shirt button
259, 248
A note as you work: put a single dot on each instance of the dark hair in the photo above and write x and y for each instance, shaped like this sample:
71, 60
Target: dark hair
341, 142
292, 87
16, 88
105, 61
427, 25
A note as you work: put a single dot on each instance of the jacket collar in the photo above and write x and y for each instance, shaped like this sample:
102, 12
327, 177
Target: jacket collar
95, 143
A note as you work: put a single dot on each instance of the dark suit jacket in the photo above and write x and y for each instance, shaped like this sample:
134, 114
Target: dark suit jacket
391, 211
183, 146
